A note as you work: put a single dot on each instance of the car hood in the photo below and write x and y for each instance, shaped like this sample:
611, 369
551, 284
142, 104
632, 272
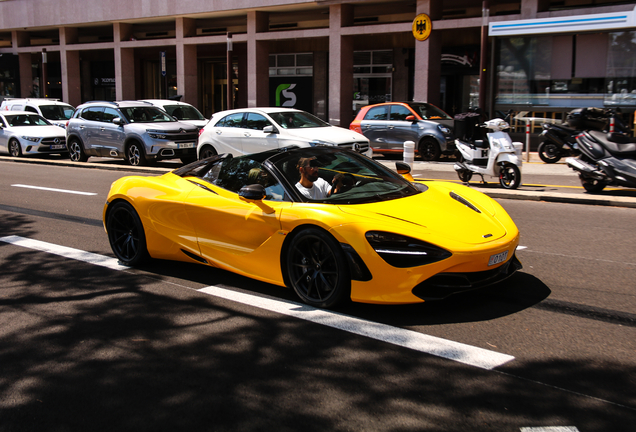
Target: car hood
333, 134
38, 131
437, 211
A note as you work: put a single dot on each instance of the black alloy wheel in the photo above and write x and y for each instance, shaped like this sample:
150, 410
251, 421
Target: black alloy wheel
126, 234
317, 269
207, 151
15, 149
592, 185
549, 152
510, 176
135, 155
76, 152
429, 149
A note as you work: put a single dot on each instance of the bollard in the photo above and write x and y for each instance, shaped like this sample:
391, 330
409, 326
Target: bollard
409, 153
527, 141
612, 124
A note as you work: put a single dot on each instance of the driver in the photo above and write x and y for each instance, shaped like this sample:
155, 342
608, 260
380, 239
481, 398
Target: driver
311, 184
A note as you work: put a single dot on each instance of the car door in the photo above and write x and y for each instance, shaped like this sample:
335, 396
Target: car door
374, 126
4, 136
399, 128
89, 129
227, 134
233, 232
110, 136
254, 139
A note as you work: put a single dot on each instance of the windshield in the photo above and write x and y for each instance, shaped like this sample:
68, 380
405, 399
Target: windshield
184, 112
146, 115
57, 112
429, 112
297, 120
26, 120
363, 180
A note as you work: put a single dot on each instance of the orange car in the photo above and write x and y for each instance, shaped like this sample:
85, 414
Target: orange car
389, 125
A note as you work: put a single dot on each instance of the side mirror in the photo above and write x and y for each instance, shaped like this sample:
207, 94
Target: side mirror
253, 192
411, 118
402, 168
270, 129
117, 121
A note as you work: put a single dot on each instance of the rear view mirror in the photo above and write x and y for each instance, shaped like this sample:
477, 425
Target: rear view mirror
254, 192
270, 129
402, 168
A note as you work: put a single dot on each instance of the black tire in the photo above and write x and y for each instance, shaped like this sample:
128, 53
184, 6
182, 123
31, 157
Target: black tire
592, 185
207, 151
510, 176
15, 149
135, 154
429, 149
317, 269
465, 175
126, 234
549, 152
76, 151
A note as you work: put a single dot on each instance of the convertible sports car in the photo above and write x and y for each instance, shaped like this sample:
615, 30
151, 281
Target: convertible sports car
382, 238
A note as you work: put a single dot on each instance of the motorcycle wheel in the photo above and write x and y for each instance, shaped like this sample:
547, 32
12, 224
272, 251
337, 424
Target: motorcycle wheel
510, 176
592, 185
465, 176
549, 152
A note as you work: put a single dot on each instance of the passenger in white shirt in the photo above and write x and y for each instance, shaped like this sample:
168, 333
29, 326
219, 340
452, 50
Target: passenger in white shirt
311, 184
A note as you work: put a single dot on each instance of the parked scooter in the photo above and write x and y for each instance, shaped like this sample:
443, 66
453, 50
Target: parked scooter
606, 159
495, 156
559, 141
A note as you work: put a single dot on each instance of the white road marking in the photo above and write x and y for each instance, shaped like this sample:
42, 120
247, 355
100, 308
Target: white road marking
522, 247
451, 350
550, 429
53, 189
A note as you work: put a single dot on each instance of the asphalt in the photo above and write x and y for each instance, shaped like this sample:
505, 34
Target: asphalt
540, 181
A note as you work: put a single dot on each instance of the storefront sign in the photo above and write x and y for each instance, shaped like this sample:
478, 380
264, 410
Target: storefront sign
422, 27
291, 92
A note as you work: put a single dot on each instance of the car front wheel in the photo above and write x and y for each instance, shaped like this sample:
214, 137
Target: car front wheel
135, 155
429, 149
317, 269
15, 149
126, 234
76, 152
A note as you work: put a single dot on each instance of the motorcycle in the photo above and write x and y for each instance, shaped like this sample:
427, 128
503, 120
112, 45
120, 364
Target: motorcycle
495, 156
559, 141
606, 159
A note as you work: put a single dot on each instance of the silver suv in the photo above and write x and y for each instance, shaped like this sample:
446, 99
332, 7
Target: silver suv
136, 131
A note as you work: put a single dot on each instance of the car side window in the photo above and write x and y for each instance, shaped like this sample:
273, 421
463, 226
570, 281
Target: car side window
256, 121
92, 113
376, 113
109, 115
232, 120
400, 113
30, 109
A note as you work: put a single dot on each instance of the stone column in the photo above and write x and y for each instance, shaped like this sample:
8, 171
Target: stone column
187, 84
340, 66
257, 60
70, 63
428, 58
124, 63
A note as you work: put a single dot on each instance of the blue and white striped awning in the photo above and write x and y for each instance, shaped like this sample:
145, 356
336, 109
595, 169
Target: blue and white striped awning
572, 24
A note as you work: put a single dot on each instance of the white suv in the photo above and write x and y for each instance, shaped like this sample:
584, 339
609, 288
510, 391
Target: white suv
181, 111
53, 110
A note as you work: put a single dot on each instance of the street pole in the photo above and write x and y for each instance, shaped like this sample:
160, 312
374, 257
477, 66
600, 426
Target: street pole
44, 87
229, 72
483, 57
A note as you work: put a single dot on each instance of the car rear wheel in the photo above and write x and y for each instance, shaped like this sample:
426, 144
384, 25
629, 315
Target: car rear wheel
15, 149
317, 270
135, 155
76, 152
429, 149
207, 151
126, 234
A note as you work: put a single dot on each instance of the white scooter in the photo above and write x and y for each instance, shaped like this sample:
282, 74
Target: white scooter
496, 157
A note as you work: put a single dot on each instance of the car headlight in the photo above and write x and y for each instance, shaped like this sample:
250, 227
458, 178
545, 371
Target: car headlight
402, 251
32, 139
316, 142
444, 129
155, 134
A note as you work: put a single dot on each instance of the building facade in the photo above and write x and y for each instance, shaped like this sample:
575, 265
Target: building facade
329, 57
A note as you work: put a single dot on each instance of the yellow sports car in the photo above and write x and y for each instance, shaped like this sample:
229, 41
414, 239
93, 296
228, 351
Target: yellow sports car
329, 223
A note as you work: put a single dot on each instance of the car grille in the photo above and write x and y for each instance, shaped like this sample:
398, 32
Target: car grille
178, 136
51, 141
360, 147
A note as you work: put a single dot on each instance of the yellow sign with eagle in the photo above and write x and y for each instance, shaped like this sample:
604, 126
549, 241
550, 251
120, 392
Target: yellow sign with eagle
422, 27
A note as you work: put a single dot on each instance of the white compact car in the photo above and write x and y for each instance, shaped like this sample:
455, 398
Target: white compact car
23, 133
184, 112
53, 110
252, 130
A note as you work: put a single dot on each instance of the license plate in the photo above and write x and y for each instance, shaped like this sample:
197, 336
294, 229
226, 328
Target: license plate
185, 145
498, 258
58, 147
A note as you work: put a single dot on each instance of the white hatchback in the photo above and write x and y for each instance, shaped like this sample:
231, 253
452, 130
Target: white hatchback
184, 112
252, 130
23, 132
